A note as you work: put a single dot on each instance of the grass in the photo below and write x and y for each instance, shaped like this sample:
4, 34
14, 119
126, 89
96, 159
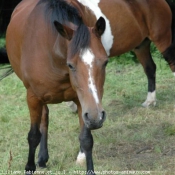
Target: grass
133, 138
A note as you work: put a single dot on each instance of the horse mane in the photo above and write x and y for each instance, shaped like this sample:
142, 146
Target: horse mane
63, 12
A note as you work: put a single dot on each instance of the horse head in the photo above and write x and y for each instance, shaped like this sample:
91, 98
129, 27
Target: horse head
87, 69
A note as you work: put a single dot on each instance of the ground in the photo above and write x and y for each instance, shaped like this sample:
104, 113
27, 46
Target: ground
133, 138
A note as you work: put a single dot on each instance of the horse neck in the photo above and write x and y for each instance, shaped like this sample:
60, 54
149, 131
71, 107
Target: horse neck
89, 19
87, 15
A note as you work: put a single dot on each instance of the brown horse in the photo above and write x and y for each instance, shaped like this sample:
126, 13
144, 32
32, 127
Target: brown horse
39, 54
58, 58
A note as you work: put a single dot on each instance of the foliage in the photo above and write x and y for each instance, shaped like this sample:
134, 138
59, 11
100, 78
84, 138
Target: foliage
6, 9
124, 59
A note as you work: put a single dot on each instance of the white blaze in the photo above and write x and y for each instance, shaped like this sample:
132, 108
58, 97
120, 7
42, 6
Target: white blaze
107, 37
88, 58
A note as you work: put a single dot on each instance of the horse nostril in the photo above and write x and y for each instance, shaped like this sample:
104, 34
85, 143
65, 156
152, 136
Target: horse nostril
103, 115
86, 116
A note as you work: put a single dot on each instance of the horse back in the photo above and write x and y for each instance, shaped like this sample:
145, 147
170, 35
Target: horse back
132, 21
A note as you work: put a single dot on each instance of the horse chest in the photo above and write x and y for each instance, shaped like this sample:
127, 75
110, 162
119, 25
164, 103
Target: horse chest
50, 92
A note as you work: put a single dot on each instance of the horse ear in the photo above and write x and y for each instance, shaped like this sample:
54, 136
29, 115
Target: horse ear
100, 27
63, 30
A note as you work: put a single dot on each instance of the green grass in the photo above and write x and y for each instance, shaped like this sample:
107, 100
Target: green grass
132, 138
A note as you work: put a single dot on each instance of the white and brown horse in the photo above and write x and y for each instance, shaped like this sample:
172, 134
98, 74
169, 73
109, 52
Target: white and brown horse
133, 25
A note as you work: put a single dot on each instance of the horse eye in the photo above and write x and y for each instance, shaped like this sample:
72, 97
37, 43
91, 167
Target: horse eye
71, 67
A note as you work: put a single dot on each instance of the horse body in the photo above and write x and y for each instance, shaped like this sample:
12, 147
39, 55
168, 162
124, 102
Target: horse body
53, 82
125, 38
143, 20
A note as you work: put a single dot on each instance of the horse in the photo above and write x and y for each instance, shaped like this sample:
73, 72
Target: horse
133, 25
129, 25
58, 57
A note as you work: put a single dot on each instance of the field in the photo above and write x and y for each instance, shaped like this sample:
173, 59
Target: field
133, 138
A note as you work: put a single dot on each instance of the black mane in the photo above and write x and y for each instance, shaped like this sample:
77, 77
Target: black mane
62, 11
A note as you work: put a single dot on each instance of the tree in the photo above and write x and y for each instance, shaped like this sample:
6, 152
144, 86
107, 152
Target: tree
6, 9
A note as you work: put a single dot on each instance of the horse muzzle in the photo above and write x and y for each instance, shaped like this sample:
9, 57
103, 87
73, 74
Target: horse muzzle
94, 121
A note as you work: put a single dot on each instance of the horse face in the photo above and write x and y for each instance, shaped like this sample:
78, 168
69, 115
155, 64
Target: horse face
87, 75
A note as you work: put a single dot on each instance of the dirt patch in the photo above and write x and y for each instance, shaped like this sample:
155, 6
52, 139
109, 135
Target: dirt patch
139, 156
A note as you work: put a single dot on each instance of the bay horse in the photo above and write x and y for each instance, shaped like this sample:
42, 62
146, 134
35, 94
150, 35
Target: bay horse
130, 25
58, 58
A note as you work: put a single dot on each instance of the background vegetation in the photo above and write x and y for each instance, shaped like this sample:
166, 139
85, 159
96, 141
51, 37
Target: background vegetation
132, 138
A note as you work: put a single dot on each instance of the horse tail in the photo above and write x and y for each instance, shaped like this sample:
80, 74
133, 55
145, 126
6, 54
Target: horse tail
7, 73
4, 60
3, 56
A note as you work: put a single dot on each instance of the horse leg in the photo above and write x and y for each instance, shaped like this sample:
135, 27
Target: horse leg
169, 55
43, 155
34, 135
144, 56
166, 45
86, 144
81, 158
72, 106
168, 41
